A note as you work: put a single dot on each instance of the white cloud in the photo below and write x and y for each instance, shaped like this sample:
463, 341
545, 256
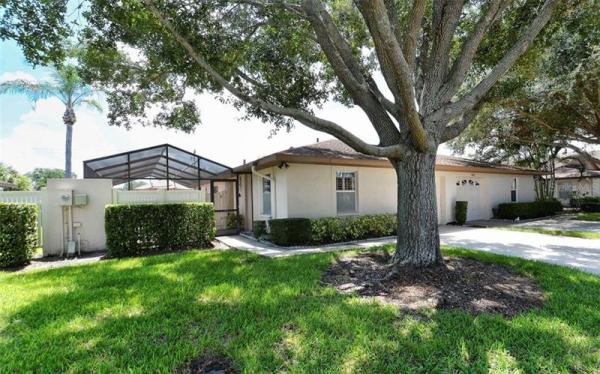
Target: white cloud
9, 76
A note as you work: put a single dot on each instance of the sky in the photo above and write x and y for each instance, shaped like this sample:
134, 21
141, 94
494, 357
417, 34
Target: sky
33, 136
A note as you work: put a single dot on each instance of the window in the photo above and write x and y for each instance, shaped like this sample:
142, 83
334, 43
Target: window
513, 191
345, 192
266, 196
565, 191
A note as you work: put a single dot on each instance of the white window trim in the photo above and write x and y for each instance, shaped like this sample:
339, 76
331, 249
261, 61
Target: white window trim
262, 196
335, 191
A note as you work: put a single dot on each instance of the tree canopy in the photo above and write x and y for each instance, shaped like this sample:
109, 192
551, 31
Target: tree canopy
40, 176
550, 100
11, 175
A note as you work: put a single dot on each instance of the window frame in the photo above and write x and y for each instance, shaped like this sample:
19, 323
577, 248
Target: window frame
263, 182
343, 190
514, 186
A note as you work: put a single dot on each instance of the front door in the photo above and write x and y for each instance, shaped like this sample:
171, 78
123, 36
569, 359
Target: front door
470, 189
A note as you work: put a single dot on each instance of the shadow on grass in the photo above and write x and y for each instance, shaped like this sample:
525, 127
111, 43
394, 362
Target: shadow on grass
156, 313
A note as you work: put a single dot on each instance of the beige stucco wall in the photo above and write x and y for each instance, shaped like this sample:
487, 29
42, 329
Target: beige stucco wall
308, 190
279, 193
494, 189
90, 216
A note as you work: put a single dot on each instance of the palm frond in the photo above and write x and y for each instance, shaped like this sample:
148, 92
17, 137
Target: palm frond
33, 90
92, 103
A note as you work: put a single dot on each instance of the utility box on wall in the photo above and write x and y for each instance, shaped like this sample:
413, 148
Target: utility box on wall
65, 198
81, 199
87, 200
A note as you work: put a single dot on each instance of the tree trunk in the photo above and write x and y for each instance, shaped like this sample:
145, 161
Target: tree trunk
68, 151
69, 120
418, 237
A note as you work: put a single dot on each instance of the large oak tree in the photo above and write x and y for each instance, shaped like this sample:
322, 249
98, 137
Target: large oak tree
279, 60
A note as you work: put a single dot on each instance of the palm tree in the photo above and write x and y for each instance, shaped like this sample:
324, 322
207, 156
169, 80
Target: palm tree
69, 88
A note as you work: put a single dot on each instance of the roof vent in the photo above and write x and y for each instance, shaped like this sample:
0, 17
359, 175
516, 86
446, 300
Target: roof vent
317, 140
244, 163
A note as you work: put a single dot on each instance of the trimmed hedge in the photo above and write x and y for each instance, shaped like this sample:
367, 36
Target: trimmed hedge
138, 229
590, 207
460, 212
18, 233
533, 209
290, 231
587, 204
348, 228
302, 231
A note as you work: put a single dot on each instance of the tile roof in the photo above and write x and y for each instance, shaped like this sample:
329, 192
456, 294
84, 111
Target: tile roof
336, 149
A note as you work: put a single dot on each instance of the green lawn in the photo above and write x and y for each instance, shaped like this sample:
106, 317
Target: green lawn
588, 217
571, 233
155, 313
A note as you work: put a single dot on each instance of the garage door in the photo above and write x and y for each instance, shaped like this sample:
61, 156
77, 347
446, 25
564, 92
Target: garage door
470, 189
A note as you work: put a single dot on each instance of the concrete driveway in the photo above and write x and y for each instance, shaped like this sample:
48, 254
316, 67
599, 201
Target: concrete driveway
583, 254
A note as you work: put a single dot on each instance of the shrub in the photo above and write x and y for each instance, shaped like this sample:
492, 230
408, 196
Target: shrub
533, 209
18, 233
341, 229
138, 229
590, 207
231, 221
302, 231
577, 201
460, 212
290, 231
259, 228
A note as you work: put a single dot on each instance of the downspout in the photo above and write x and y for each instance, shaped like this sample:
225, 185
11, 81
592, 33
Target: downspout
273, 191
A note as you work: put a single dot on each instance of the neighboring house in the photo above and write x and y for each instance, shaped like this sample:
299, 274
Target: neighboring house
7, 186
331, 179
577, 177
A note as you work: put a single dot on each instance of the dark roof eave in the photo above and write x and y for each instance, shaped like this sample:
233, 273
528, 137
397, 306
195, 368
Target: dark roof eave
277, 158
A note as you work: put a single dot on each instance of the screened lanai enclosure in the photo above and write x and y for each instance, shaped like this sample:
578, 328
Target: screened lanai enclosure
165, 173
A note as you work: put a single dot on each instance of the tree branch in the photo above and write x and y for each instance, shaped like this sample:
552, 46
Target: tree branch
463, 62
394, 67
309, 120
409, 48
347, 68
455, 129
446, 17
471, 99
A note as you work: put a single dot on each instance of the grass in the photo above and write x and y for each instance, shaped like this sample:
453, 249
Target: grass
153, 314
556, 232
595, 217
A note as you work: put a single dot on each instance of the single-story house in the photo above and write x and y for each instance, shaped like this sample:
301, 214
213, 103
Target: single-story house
577, 177
329, 178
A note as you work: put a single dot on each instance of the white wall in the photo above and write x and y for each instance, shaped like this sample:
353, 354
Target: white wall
495, 189
279, 193
308, 190
304, 190
90, 216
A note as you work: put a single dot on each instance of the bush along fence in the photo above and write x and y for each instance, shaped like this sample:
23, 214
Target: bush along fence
304, 231
529, 210
138, 229
18, 233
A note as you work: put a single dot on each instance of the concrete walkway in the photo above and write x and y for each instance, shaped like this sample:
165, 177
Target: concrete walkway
583, 254
269, 250
563, 223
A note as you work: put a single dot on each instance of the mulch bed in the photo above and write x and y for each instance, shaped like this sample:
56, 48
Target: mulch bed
457, 283
208, 364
